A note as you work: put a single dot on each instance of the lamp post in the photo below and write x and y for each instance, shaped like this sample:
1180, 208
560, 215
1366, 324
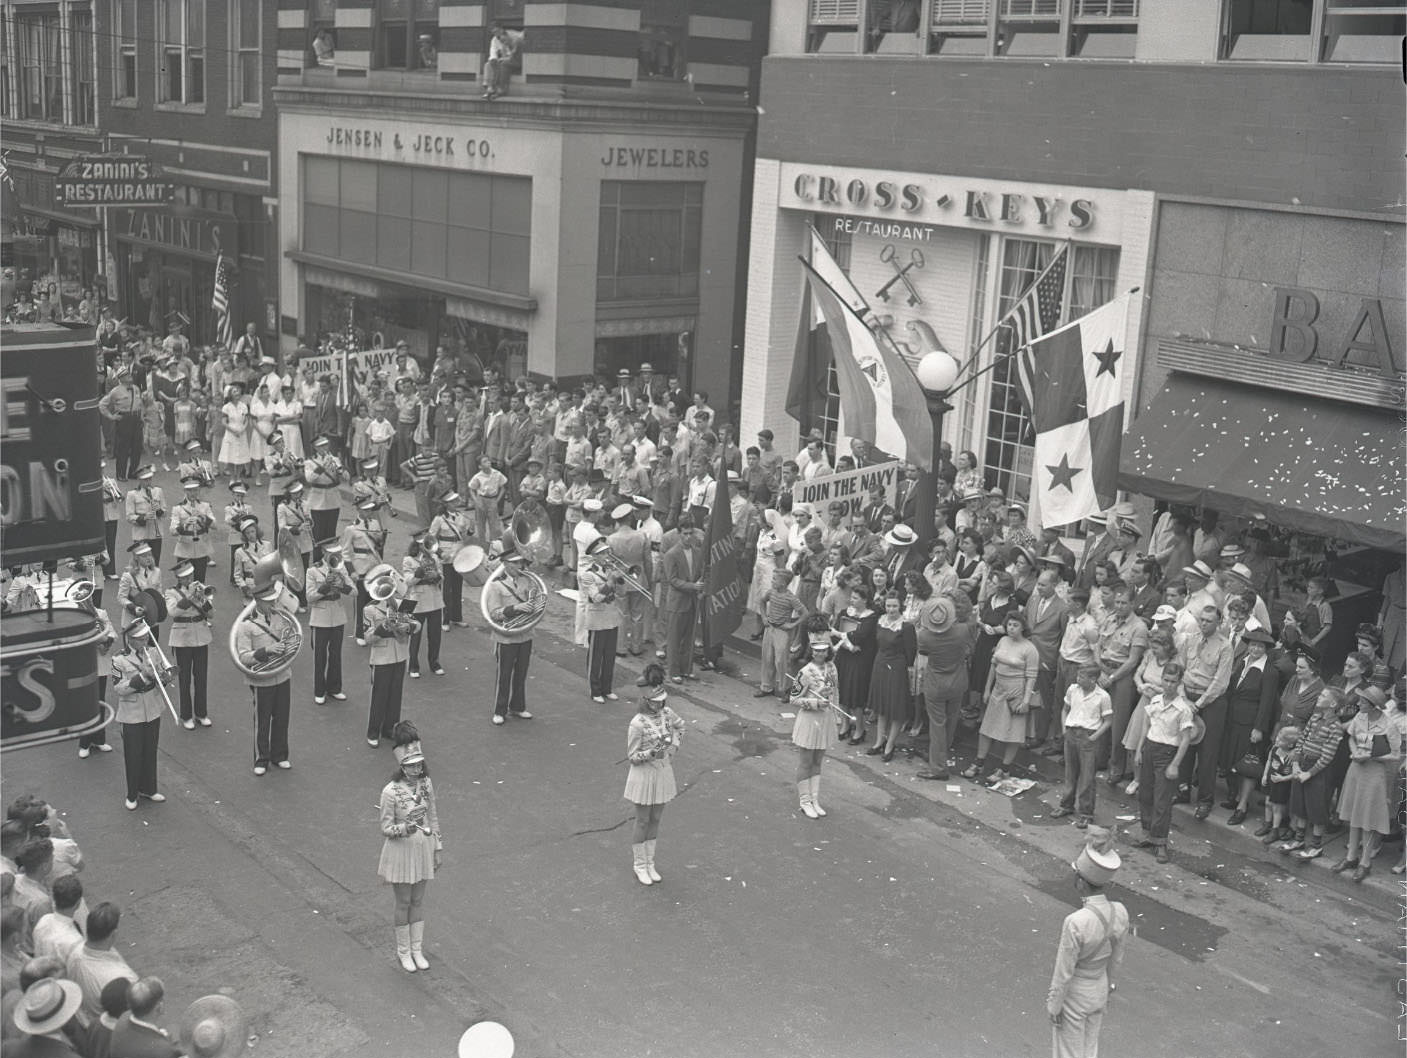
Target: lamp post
936, 373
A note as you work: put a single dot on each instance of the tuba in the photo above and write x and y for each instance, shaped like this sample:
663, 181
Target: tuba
531, 530
282, 624
535, 599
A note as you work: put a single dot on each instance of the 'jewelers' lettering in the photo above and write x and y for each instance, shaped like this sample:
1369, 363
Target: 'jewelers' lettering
655, 158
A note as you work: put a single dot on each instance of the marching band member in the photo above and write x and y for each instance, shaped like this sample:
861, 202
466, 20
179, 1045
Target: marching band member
598, 588
813, 732
141, 574
97, 740
630, 545
191, 522
139, 707
194, 465
390, 632
326, 585
256, 642
283, 470
410, 855
421, 568
236, 509
362, 553
292, 517
145, 509
190, 609
114, 510
252, 548
323, 474
372, 483
504, 598
653, 529
585, 531
650, 744
451, 529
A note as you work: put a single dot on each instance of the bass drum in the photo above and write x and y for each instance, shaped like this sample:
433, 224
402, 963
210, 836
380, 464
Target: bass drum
152, 604
471, 563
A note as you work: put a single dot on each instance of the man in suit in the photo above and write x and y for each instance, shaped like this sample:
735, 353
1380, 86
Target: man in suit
866, 548
906, 495
1099, 545
1050, 546
136, 1034
901, 553
683, 572
876, 508
1045, 621
497, 429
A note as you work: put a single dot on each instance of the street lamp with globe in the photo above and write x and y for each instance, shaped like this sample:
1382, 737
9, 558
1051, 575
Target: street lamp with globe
936, 372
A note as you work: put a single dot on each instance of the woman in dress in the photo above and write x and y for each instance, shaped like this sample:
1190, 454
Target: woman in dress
968, 565
854, 661
991, 618
1369, 791
1101, 592
234, 446
261, 423
813, 733
288, 414
836, 601
837, 559
650, 745
895, 650
1010, 691
969, 477
918, 590
1301, 692
410, 855
1023, 573
1250, 712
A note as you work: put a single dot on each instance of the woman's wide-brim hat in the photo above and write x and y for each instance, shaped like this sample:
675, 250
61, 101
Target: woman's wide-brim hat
214, 1027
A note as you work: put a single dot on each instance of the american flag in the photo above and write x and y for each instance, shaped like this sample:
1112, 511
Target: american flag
220, 302
1037, 311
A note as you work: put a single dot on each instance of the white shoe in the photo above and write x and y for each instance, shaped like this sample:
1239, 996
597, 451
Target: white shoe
189, 725
498, 719
598, 699
612, 697
809, 810
83, 752
415, 675
103, 748
403, 949
340, 696
373, 742
360, 641
131, 805
259, 769
524, 715
285, 764
157, 797
642, 872
205, 721
417, 942
319, 699
650, 861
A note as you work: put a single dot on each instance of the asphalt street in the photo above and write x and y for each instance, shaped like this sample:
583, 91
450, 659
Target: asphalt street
916, 919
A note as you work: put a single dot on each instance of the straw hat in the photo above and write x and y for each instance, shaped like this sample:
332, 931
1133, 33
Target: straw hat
213, 1026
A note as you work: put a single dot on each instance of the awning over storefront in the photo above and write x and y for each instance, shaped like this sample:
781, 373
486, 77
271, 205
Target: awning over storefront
1316, 466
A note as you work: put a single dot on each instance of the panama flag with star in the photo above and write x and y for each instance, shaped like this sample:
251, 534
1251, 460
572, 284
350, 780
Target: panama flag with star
1072, 386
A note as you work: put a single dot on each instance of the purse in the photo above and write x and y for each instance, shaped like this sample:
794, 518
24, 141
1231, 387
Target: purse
1250, 766
1381, 747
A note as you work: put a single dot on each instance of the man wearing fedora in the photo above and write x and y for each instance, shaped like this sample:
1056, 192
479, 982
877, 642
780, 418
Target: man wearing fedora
947, 643
1099, 544
46, 1017
900, 553
1090, 953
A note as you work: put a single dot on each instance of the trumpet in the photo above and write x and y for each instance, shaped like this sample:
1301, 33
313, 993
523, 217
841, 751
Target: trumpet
429, 571
112, 492
198, 593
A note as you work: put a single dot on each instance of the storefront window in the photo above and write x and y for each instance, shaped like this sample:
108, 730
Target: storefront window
649, 240
660, 351
1089, 283
470, 228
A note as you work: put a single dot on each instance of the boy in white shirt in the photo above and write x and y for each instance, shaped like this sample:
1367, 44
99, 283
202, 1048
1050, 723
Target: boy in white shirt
1087, 715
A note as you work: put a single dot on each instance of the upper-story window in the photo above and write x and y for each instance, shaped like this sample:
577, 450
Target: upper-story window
407, 34
246, 66
649, 240
322, 32
1351, 31
833, 26
664, 29
40, 81
181, 52
893, 26
82, 86
124, 43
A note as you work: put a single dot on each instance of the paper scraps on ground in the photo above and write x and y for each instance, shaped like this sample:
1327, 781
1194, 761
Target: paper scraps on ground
787, 716
953, 789
569, 594
1012, 787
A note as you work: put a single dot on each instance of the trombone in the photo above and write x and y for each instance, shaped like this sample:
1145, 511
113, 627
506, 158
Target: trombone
162, 671
622, 573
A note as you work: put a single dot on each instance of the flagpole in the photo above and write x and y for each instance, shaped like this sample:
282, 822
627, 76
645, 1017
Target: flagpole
972, 357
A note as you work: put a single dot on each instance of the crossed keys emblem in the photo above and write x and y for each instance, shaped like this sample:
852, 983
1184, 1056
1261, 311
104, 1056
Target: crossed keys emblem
901, 274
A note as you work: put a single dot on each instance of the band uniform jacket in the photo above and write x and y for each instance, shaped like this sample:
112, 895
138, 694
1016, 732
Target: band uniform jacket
452, 531
508, 590
190, 624
255, 632
1091, 949
389, 644
632, 547
145, 509
598, 588
359, 547
246, 557
134, 706
281, 468
196, 468
193, 542
323, 476
233, 512
293, 518
114, 510
326, 611
425, 583
681, 573
135, 579
398, 801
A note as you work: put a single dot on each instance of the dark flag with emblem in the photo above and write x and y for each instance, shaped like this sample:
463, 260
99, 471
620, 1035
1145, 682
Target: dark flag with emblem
725, 593
1072, 387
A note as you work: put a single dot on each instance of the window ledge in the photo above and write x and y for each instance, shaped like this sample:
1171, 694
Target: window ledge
245, 112
181, 108
126, 103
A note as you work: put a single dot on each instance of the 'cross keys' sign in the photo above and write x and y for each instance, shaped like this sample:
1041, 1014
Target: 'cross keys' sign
112, 180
